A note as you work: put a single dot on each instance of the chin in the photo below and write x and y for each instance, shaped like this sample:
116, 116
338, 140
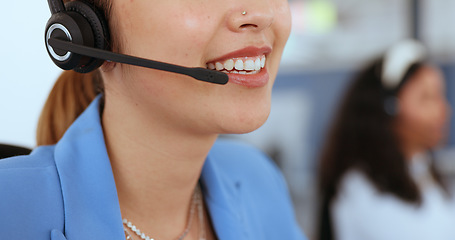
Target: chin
246, 110
246, 128
244, 123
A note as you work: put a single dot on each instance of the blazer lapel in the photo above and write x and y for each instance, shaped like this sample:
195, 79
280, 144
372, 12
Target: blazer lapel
57, 235
90, 197
222, 196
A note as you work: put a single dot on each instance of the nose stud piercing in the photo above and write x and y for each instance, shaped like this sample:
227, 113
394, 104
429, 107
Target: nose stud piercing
244, 13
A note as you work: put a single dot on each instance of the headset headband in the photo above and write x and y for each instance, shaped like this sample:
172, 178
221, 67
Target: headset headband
397, 61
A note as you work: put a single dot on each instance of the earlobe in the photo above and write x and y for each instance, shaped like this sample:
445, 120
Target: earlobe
108, 66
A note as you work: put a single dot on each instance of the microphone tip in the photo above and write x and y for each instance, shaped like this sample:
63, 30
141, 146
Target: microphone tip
219, 78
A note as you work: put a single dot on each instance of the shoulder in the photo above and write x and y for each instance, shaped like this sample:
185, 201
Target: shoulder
354, 181
355, 187
355, 190
358, 199
21, 170
41, 157
30, 190
352, 205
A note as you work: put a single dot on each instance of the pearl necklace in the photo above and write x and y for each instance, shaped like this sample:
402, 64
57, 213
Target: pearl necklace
196, 202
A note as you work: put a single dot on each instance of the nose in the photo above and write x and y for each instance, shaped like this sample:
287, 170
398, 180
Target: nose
255, 15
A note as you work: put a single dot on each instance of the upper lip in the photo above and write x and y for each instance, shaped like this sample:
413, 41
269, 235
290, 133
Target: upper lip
250, 51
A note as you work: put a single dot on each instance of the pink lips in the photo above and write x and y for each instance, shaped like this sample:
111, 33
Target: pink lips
251, 80
248, 80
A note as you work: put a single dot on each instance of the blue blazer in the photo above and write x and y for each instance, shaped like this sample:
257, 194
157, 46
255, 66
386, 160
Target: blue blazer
67, 191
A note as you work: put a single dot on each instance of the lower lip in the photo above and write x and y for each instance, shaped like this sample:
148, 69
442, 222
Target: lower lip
250, 80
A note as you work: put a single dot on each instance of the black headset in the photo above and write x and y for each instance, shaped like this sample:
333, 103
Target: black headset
79, 23
77, 38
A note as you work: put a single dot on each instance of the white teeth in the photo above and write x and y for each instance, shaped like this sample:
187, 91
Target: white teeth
219, 66
249, 65
245, 65
239, 65
257, 64
211, 66
229, 64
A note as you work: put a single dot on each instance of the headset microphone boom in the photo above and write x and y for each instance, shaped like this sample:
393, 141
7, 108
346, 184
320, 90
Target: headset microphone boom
77, 38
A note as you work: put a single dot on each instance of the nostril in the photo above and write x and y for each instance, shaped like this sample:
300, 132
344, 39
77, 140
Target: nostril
248, 26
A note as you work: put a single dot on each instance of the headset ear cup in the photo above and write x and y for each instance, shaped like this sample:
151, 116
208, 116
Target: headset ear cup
391, 106
71, 27
97, 26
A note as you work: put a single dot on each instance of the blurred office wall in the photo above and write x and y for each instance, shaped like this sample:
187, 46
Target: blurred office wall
26, 72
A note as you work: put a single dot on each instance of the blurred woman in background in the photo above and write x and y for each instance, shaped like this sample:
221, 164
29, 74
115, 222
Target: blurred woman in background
377, 177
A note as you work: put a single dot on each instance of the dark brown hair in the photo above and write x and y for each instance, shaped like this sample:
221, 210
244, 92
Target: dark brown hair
362, 138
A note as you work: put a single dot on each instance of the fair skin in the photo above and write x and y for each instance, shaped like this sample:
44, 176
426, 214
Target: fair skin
160, 126
423, 112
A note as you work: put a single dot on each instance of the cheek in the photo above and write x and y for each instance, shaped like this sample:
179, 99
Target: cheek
281, 29
416, 118
283, 20
187, 36
150, 33
423, 122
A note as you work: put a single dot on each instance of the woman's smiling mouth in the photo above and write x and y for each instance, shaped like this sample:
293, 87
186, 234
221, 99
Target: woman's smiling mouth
241, 65
246, 67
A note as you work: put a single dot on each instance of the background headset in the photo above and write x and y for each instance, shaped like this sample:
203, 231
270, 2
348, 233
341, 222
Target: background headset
77, 38
396, 65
